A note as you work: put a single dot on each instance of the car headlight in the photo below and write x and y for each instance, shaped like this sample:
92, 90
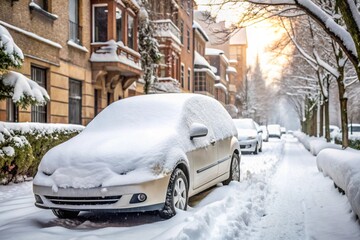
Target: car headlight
251, 138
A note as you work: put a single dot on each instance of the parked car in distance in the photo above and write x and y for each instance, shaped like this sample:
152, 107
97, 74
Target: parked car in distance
283, 130
142, 153
265, 133
334, 131
249, 135
274, 130
354, 129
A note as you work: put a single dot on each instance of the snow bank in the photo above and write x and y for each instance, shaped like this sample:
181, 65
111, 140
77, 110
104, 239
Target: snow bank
343, 167
314, 144
140, 136
44, 128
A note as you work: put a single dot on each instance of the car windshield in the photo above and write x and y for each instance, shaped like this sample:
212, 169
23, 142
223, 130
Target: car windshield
354, 128
244, 124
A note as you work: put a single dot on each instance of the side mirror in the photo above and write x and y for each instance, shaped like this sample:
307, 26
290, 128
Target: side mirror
198, 130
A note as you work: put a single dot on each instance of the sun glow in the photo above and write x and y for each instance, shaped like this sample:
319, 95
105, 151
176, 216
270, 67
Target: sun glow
260, 35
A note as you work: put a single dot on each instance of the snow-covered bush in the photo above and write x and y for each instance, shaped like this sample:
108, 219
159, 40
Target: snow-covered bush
22, 145
343, 167
354, 141
313, 144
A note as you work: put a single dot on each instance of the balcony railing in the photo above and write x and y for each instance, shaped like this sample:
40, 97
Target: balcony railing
166, 28
115, 52
75, 32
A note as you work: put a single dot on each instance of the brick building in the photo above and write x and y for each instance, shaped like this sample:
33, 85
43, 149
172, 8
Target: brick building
58, 39
173, 29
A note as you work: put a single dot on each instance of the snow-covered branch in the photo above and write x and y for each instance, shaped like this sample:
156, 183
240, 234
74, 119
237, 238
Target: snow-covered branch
22, 90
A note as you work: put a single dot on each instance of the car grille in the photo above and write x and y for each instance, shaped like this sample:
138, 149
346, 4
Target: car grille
83, 200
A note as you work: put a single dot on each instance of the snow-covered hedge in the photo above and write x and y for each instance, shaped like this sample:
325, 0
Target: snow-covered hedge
354, 141
22, 145
313, 144
343, 167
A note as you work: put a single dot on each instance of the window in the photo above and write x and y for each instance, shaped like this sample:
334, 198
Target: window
100, 26
39, 113
44, 4
75, 101
109, 98
189, 79
97, 101
182, 31
182, 77
74, 27
188, 9
12, 111
188, 39
131, 30
119, 27
200, 81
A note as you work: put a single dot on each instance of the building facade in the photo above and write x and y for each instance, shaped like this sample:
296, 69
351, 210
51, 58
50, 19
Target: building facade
64, 45
173, 29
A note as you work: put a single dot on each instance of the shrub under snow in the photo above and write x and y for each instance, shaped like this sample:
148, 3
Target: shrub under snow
343, 167
22, 145
313, 144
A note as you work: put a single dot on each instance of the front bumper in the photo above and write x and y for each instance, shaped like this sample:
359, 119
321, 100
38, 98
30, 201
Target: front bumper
247, 145
118, 198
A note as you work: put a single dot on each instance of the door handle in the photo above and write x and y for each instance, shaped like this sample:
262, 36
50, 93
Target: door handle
212, 141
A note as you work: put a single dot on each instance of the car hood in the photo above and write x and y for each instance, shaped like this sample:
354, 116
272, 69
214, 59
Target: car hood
92, 160
244, 134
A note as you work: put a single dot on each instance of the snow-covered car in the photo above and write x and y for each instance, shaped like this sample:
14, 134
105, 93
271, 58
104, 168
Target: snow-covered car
334, 131
274, 130
265, 133
142, 153
354, 130
283, 130
249, 135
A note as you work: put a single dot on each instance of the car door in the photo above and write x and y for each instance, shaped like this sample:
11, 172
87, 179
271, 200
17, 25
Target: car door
224, 155
203, 162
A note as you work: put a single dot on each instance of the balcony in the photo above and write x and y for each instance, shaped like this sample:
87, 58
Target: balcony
114, 56
167, 29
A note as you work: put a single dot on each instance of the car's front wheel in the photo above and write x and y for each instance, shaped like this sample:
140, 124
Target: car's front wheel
177, 194
65, 214
256, 149
234, 170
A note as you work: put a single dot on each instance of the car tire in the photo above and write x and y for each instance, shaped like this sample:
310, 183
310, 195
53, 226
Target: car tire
234, 170
260, 149
176, 195
65, 213
256, 149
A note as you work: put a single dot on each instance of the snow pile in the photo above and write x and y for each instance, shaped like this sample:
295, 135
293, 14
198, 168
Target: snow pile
140, 136
343, 167
43, 128
230, 212
314, 144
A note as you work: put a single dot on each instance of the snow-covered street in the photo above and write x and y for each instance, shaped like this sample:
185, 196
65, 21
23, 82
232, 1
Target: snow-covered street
281, 196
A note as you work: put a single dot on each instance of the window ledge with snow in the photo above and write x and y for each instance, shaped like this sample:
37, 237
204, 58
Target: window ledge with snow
36, 8
77, 46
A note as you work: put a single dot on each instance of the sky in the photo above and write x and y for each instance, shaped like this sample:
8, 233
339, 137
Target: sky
260, 37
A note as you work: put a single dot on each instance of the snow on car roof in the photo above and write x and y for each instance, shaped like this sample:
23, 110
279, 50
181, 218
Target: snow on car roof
134, 140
